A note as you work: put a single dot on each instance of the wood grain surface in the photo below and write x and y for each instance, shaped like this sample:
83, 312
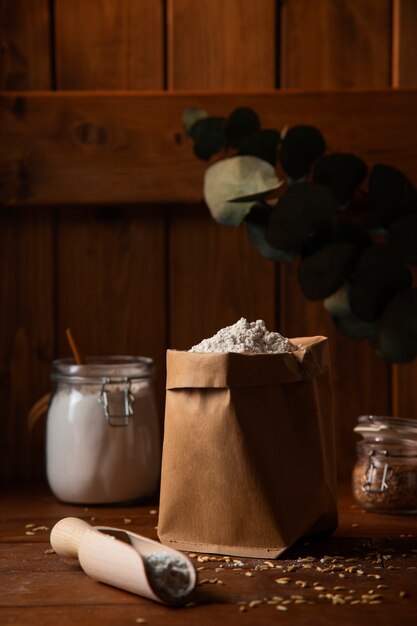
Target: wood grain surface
104, 44
330, 44
125, 147
221, 44
25, 53
367, 550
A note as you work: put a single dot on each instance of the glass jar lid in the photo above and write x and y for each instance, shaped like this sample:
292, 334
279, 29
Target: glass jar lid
380, 428
103, 369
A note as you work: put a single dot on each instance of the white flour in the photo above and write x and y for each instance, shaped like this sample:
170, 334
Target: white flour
168, 575
246, 337
91, 462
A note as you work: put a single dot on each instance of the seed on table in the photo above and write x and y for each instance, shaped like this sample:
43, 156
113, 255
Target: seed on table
220, 582
192, 555
375, 602
254, 603
127, 520
29, 525
281, 607
282, 581
29, 532
153, 512
49, 551
248, 574
403, 594
319, 588
382, 587
140, 620
242, 608
339, 588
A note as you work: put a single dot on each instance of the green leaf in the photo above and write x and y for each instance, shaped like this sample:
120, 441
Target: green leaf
341, 173
323, 273
397, 328
190, 116
393, 194
232, 178
338, 230
262, 144
256, 234
240, 125
403, 237
302, 209
208, 135
348, 324
380, 273
300, 147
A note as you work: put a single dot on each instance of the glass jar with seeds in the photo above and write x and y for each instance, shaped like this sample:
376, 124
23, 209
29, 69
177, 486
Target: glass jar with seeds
385, 473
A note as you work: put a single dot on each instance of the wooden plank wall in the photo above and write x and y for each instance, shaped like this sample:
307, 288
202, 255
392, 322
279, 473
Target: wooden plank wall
140, 278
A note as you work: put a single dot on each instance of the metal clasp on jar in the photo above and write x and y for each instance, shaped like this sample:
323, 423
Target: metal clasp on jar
112, 402
370, 477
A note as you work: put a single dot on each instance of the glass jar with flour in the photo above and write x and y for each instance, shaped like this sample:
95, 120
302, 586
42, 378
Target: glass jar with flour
103, 441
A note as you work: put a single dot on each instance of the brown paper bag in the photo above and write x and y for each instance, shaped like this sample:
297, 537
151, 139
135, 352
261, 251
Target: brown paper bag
248, 461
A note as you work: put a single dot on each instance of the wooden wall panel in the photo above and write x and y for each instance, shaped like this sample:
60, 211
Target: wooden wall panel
404, 62
103, 44
26, 335
111, 276
25, 44
335, 43
111, 282
404, 390
328, 45
221, 44
26, 257
215, 276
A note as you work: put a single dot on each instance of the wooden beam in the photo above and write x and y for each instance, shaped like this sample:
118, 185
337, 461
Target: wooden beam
83, 147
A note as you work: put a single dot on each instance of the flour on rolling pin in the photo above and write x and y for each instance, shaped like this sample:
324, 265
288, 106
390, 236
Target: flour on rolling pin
126, 560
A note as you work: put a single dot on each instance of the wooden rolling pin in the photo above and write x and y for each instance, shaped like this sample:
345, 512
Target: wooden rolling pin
126, 560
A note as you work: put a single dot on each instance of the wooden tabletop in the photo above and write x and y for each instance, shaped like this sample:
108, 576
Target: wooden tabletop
365, 573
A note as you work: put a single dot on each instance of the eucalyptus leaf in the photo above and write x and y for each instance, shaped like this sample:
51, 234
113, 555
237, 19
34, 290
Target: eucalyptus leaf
208, 135
323, 273
262, 144
256, 234
342, 173
348, 324
261, 195
393, 194
240, 125
300, 147
232, 178
302, 209
380, 274
397, 328
338, 230
191, 115
403, 237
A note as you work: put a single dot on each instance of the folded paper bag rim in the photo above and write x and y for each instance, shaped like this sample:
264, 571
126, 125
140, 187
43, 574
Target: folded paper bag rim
232, 369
